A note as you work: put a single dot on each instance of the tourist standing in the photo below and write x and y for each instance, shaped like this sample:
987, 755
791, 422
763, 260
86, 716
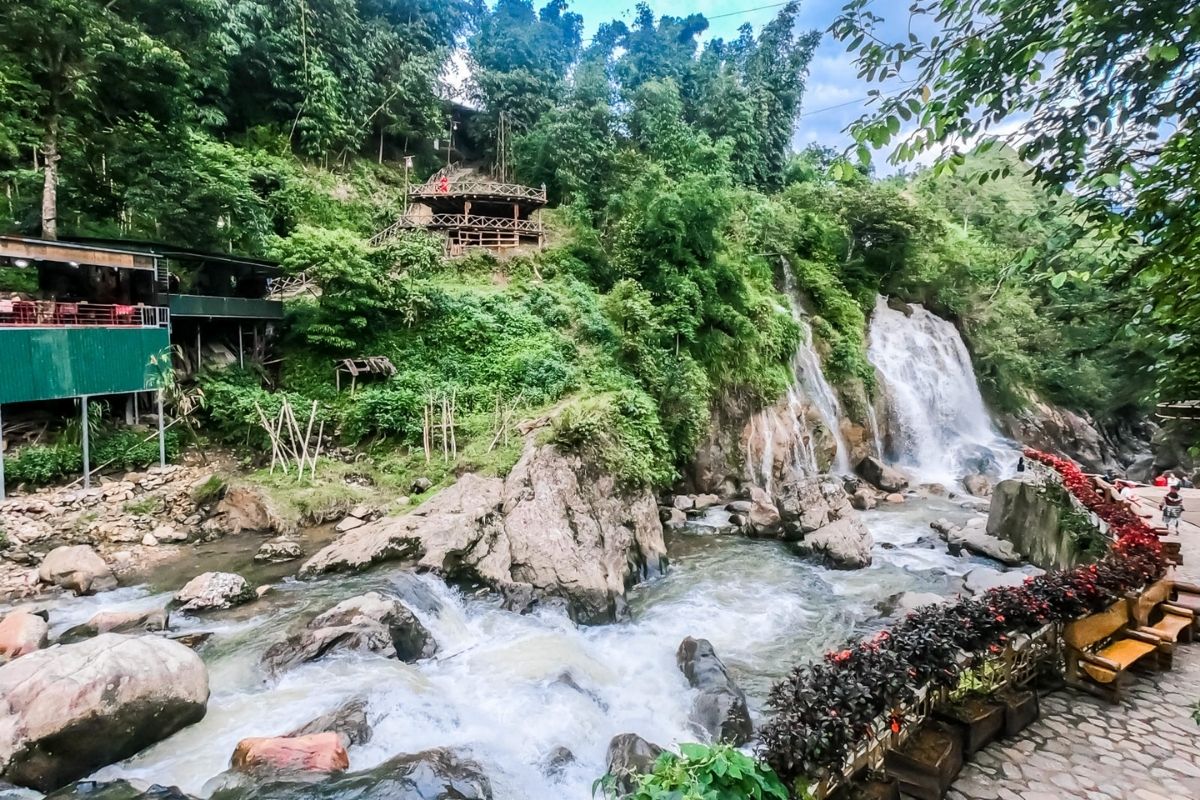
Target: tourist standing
1161, 480
1172, 508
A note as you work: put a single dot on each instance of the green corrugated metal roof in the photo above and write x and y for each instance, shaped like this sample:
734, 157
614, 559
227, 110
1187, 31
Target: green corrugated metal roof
54, 363
195, 305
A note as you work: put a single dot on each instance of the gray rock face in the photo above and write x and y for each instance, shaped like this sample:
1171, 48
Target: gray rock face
69, 710
629, 755
211, 591
881, 476
348, 720
371, 622
429, 775
78, 569
1022, 514
720, 708
818, 517
977, 541
553, 527
116, 790
155, 619
980, 579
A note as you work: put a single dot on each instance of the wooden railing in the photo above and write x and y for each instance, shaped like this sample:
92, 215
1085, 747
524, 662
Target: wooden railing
448, 187
502, 224
54, 314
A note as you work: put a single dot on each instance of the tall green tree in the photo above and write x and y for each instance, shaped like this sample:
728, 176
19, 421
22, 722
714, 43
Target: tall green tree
1100, 99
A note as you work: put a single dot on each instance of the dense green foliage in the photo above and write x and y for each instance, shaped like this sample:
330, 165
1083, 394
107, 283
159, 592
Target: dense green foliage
701, 772
1098, 98
38, 465
272, 129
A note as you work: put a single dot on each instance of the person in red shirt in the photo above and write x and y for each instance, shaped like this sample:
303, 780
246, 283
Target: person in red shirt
1161, 480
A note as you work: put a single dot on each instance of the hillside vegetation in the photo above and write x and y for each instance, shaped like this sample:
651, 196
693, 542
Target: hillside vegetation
275, 129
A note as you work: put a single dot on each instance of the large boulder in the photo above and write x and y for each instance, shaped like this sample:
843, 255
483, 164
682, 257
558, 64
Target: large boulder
277, 551
349, 721
77, 568
69, 710
211, 591
430, 775
274, 755
978, 484
880, 475
553, 528
246, 509
804, 504
152, 620
21, 633
371, 622
629, 756
1023, 513
842, 544
720, 707
762, 515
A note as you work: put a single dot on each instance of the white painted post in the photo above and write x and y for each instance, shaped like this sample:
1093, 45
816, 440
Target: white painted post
1, 455
162, 439
241, 357
87, 465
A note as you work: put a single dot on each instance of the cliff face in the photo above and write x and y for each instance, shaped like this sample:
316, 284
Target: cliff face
554, 528
1097, 448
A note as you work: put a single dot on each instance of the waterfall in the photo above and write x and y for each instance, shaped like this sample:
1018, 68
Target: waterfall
806, 369
783, 432
938, 424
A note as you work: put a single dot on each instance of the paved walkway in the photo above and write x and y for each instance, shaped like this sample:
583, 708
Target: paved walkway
1147, 748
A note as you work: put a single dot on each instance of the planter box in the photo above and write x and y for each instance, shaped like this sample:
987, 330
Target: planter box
978, 721
1021, 709
872, 790
927, 763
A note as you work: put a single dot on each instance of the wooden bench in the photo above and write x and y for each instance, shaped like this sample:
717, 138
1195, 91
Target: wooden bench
1100, 650
1153, 611
1185, 596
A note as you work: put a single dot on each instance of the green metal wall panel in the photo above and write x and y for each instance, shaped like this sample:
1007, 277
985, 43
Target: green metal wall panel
53, 363
194, 305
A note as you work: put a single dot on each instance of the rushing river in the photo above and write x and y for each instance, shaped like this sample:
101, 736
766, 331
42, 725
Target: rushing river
510, 688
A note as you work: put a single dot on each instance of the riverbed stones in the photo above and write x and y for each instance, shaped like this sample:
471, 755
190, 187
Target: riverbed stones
368, 623
113, 790
21, 633
77, 568
842, 544
349, 721
320, 753
976, 540
439, 774
863, 499
978, 484
72, 709
629, 755
980, 579
881, 476
279, 550
150, 620
212, 591
554, 523
719, 709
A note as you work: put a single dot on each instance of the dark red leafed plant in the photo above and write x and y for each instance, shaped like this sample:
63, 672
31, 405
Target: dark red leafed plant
823, 710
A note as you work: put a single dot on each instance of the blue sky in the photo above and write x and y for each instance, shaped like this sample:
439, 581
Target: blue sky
832, 77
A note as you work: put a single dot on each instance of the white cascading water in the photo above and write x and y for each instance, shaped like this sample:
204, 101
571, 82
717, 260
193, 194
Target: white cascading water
509, 688
939, 427
809, 388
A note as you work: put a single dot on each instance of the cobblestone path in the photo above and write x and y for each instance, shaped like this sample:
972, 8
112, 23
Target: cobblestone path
1146, 748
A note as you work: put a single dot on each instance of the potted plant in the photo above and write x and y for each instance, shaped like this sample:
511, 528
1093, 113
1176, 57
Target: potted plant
872, 786
1020, 709
970, 709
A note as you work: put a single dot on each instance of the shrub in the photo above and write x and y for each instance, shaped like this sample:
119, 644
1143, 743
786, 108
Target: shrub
209, 491
621, 430
38, 465
701, 772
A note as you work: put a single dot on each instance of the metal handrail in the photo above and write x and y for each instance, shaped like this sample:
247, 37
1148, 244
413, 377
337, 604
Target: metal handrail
55, 314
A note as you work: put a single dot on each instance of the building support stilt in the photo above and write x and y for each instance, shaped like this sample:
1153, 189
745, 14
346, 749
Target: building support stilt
241, 350
87, 455
1, 453
162, 438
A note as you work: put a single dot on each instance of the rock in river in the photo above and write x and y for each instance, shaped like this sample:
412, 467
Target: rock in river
629, 755
881, 476
21, 633
77, 568
69, 710
116, 790
430, 775
276, 755
370, 622
210, 591
348, 721
155, 619
720, 708
555, 527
